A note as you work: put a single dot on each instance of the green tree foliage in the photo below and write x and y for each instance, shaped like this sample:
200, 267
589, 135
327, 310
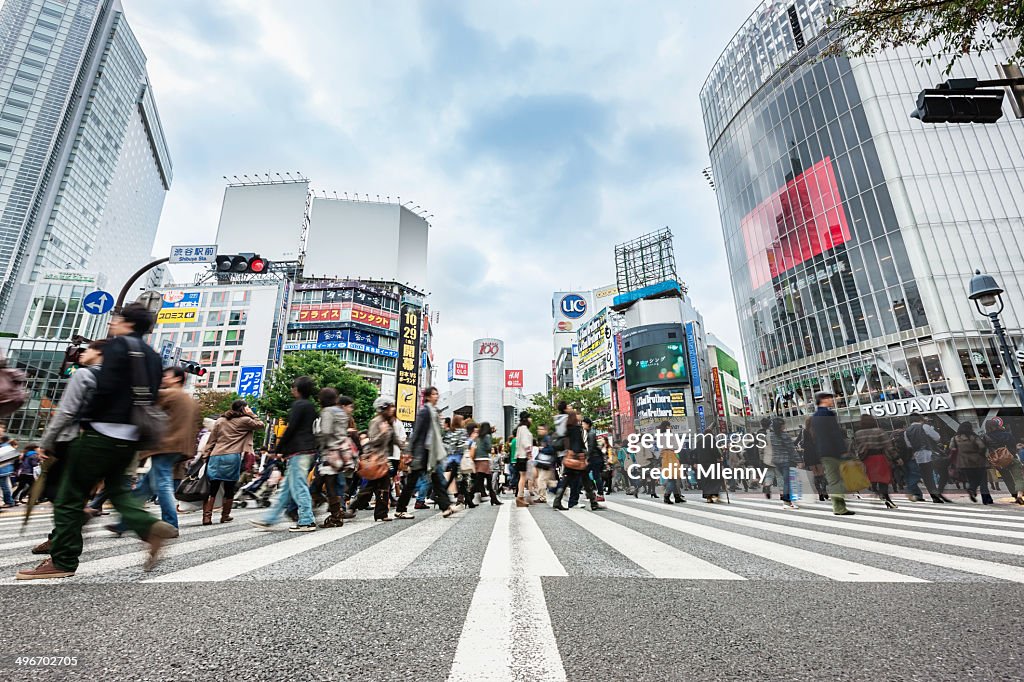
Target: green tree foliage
588, 401
945, 30
325, 369
213, 403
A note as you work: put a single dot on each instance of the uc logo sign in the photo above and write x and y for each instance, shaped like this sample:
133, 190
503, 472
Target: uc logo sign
573, 306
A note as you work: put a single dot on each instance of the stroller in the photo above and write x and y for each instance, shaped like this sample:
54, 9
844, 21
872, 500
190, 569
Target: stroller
261, 489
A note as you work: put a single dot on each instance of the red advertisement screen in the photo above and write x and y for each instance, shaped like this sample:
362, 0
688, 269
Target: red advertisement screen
799, 221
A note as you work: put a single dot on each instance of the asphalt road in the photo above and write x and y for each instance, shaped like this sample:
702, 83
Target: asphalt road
643, 591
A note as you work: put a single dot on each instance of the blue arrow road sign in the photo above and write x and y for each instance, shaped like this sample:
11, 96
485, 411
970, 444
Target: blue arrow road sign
98, 303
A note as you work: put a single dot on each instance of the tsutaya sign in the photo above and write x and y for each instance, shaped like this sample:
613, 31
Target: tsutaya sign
942, 402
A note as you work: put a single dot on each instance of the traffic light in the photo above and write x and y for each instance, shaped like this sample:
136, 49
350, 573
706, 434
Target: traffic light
959, 100
242, 263
193, 368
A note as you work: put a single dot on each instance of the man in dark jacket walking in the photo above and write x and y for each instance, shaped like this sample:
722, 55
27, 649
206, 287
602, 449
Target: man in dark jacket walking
427, 446
297, 445
830, 443
107, 447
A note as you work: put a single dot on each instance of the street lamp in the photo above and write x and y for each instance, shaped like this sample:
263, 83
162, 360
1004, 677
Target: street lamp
986, 293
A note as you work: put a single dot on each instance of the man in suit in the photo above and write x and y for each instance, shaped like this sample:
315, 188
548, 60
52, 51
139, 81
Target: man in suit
427, 446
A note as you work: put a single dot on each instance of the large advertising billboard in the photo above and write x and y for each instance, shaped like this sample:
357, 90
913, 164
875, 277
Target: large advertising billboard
265, 219
661, 363
801, 220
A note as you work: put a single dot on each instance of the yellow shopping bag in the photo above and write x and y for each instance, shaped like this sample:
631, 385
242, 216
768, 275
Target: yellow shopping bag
854, 476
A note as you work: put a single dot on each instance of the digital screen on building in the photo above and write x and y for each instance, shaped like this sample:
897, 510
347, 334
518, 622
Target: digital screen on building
662, 363
799, 221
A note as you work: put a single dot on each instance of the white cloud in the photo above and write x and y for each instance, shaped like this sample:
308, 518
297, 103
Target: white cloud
420, 100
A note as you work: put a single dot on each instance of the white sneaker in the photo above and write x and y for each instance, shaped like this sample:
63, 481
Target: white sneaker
404, 515
302, 529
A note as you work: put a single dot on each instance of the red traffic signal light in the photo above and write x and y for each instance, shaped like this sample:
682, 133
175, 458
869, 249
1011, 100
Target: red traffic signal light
242, 263
193, 368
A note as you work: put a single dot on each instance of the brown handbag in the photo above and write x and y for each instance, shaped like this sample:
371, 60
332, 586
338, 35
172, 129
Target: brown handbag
1000, 458
373, 466
577, 461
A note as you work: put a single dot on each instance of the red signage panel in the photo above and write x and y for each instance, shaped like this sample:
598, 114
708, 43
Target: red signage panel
799, 221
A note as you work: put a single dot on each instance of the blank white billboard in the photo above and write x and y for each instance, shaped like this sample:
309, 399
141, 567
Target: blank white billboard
366, 240
263, 219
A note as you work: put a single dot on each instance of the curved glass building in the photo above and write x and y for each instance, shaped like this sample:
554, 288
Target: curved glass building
852, 230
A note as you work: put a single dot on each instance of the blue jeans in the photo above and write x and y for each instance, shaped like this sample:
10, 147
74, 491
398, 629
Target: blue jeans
787, 489
422, 486
294, 488
5, 486
159, 481
913, 475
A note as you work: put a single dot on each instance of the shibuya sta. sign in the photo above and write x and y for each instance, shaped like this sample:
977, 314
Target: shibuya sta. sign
942, 402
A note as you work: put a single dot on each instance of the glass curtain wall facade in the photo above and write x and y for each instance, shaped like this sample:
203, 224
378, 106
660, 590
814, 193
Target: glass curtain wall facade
84, 167
849, 235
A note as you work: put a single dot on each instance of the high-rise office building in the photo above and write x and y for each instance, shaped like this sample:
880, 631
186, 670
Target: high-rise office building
852, 230
84, 166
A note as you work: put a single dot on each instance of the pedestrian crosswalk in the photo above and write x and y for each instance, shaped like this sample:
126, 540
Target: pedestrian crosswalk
749, 539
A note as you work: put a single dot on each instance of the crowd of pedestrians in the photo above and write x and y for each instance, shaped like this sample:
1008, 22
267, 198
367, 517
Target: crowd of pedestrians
122, 411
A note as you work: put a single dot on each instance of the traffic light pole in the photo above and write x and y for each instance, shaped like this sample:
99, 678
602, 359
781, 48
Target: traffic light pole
131, 280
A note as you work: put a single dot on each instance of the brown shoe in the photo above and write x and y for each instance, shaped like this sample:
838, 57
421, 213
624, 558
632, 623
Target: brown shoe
520, 502
42, 548
42, 571
208, 511
159, 532
225, 510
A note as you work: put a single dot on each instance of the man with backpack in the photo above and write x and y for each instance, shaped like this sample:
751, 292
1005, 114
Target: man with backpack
110, 438
922, 439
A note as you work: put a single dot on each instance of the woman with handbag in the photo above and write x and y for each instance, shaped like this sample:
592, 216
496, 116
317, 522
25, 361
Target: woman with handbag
336, 451
230, 437
481, 453
575, 465
967, 453
374, 464
1002, 456
875, 449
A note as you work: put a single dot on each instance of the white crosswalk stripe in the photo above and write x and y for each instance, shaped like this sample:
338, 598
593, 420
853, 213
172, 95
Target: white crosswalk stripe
991, 516
391, 556
801, 559
236, 565
893, 518
960, 563
966, 544
851, 524
654, 556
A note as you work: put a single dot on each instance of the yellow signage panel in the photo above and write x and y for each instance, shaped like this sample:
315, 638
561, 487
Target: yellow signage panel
177, 315
405, 404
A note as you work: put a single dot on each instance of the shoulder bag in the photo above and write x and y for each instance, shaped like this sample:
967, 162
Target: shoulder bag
1000, 457
577, 461
195, 487
150, 420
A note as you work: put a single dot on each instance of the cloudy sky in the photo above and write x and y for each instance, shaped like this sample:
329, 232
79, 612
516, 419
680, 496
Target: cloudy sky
539, 134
